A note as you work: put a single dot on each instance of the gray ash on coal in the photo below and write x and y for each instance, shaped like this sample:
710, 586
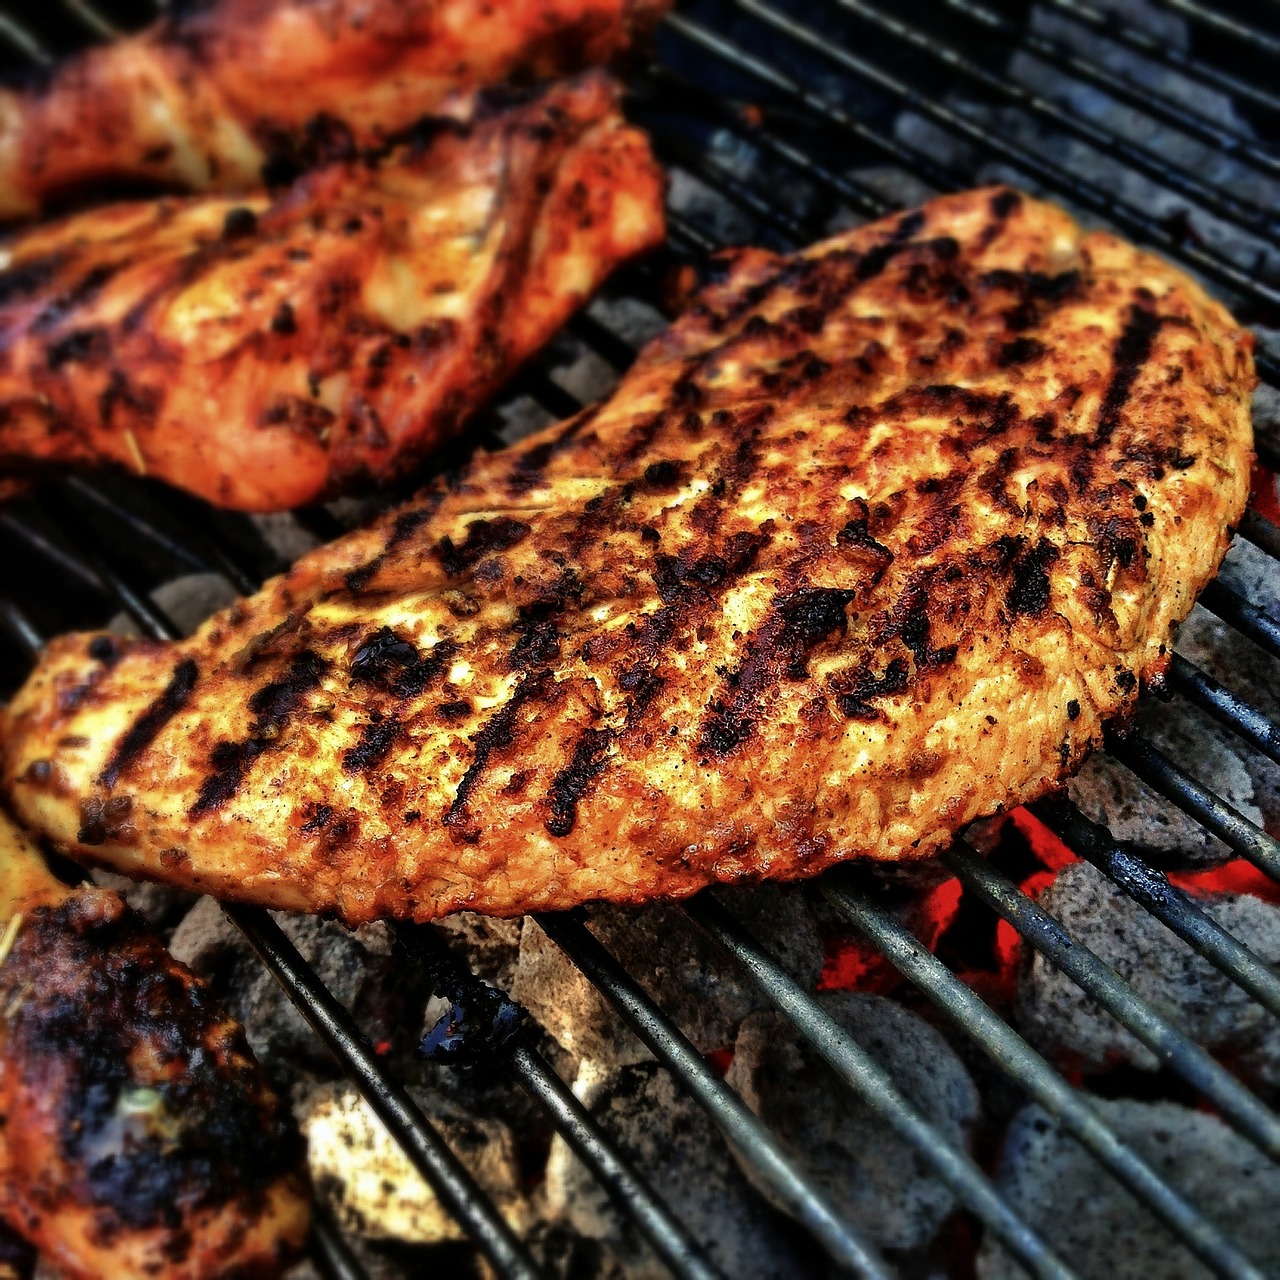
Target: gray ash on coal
1071, 1028
1090, 1218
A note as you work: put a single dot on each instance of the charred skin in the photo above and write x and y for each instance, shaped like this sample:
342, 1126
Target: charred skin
219, 97
137, 1134
872, 542
264, 353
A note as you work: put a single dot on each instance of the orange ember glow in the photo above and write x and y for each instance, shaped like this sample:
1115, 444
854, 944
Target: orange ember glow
1236, 876
1266, 500
854, 965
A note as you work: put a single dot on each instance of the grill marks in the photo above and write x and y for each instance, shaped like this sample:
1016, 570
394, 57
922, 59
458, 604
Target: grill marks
142, 733
484, 537
1131, 352
496, 733
274, 706
796, 625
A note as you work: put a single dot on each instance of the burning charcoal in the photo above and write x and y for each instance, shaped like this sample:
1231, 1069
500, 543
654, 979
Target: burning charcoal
690, 976
1249, 672
679, 1150
1106, 792
369, 1183
868, 1173
1060, 1019
1095, 1223
355, 966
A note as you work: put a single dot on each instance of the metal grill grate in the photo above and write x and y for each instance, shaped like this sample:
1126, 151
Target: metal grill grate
826, 82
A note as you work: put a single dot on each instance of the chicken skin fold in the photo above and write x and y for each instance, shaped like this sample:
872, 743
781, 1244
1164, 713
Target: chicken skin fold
264, 352
138, 1137
873, 542
221, 96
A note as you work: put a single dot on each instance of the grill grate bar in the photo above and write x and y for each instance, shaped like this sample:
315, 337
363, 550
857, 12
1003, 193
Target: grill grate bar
1163, 54
1243, 615
1085, 193
1200, 688
864, 199
1216, 199
1230, 826
1180, 1054
446, 1175
729, 1113
1259, 41
628, 1188
1173, 908
874, 1086
92, 19
735, 56
331, 1253
1027, 1068
414, 1133
1212, 133
1262, 533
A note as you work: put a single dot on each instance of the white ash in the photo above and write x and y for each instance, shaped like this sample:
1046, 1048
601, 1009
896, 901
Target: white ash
681, 1153
356, 966
694, 980
1062, 1021
371, 1187
1108, 793
869, 1175
1090, 1219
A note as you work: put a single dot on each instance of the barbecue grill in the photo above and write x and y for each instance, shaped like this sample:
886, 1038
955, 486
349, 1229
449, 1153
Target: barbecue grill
782, 120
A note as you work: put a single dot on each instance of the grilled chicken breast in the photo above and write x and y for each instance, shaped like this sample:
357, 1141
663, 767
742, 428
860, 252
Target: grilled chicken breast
218, 96
265, 352
137, 1134
872, 542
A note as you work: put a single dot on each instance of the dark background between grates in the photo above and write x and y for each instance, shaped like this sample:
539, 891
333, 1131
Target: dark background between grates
829, 85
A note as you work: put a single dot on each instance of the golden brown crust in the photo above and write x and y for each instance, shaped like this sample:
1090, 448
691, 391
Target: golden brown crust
137, 1134
267, 352
872, 542
218, 95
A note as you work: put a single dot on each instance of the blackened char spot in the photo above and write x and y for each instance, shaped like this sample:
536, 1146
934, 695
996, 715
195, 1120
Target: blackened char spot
142, 733
780, 650
96, 1008
484, 537
1029, 591
1131, 352
390, 663
1019, 351
273, 706
497, 732
854, 693
78, 295
376, 740
80, 346
571, 783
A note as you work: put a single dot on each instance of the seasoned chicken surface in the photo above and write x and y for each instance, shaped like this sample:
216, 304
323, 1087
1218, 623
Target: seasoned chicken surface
266, 352
874, 541
218, 96
138, 1137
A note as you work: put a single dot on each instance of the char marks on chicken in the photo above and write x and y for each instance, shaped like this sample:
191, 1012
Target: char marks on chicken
875, 540
220, 96
137, 1134
264, 351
